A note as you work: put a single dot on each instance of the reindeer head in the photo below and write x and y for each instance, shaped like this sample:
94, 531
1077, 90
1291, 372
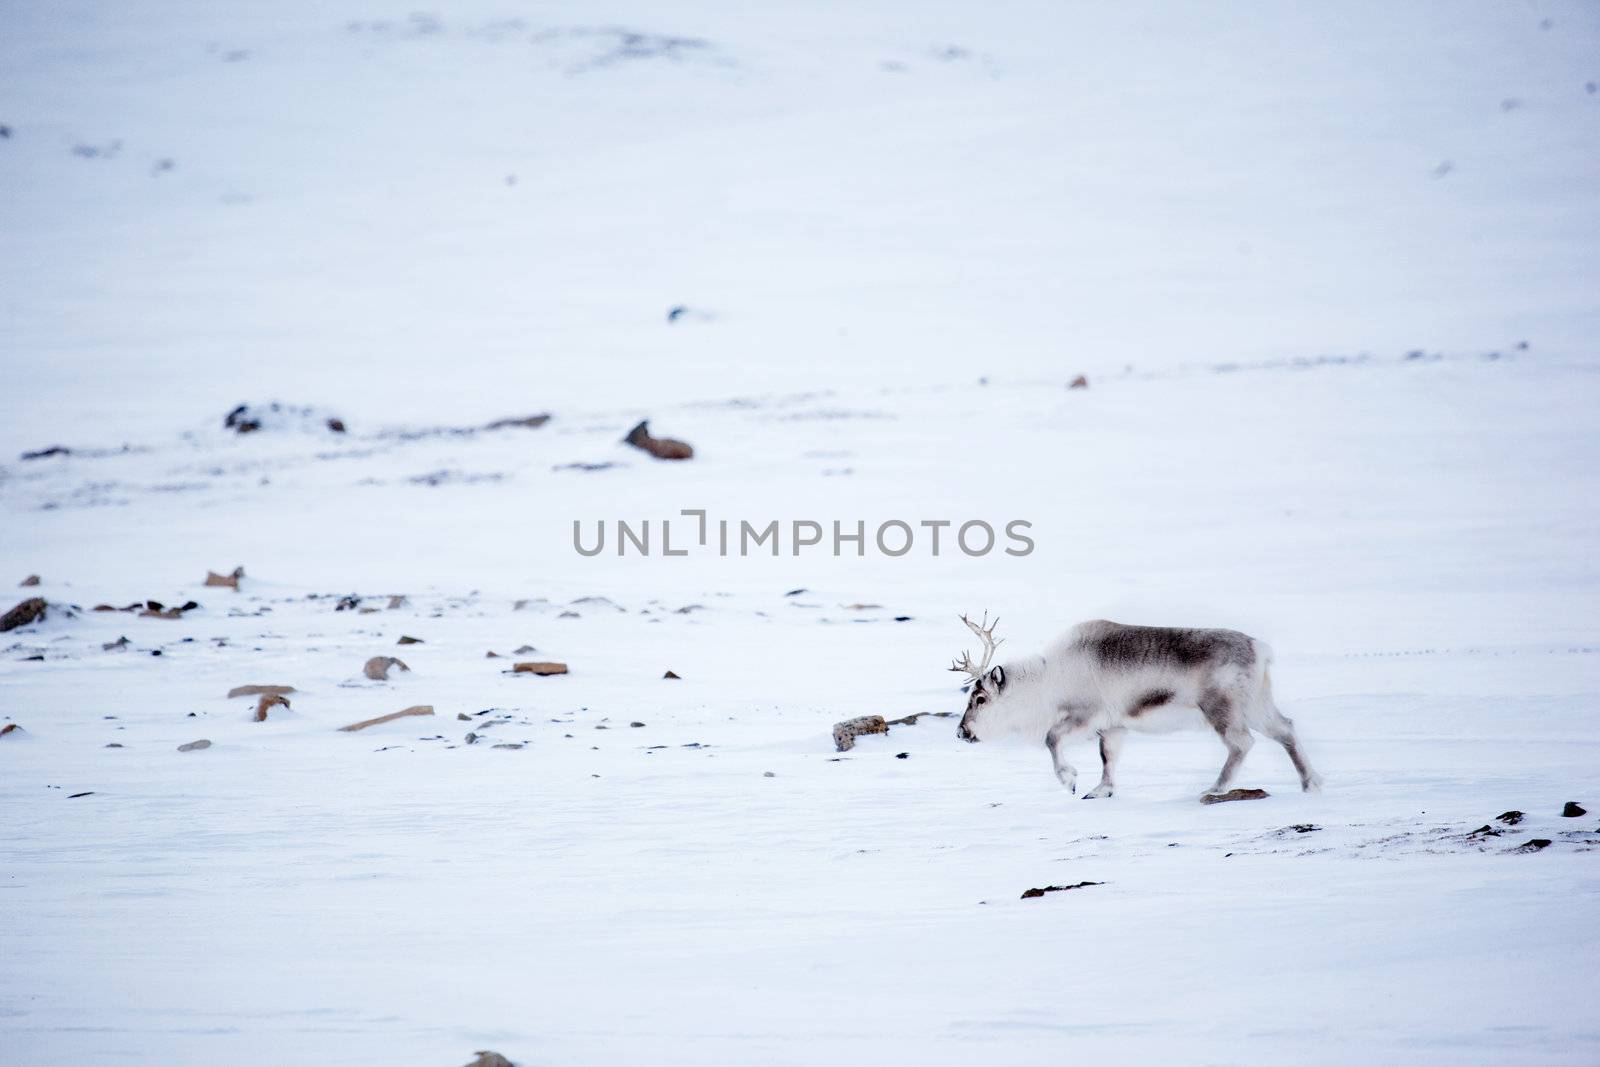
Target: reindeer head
986, 684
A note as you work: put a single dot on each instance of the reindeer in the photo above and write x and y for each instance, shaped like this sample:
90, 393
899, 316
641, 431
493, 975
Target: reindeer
1107, 678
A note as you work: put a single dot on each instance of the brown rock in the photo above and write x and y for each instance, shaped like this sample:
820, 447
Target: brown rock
1030, 894
268, 700
541, 667
28, 611
260, 690
406, 639
659, 447
1080, 382
490, 1059
226, 581
377, 668
420, 709
10, 727
397, 602
671, 674
1234, 794
30, 580
845, 733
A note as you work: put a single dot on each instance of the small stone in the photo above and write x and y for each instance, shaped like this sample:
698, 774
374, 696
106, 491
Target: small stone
902, 755
377, 668
28, 611
1573, 809
1510, 818
32, 579
1080, 382
670, 674
1532, 846
260, 690
406, 639
195, 746
462, 716
10, 728
114, 744
636, 725
269, 700
539, 667
491, 1059
768, 774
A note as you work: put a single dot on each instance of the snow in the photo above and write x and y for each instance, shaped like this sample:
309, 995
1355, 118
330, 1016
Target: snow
1340, 396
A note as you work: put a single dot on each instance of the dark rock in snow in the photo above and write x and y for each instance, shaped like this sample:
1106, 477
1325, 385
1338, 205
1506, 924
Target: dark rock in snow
29, 610
1573, 809
659, 447
490, 1059
1533, 846
30, 580
1029, 894
1510, 818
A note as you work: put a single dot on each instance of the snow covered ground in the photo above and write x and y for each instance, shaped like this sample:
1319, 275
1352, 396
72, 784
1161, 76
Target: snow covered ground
1330, 271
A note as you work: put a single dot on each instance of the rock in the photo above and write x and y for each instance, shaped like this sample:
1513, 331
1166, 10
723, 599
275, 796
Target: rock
525, 422
523, 650
1234, 794
336, 425
260, 690
29, 610
377, 668
121, 642
10, 728
226, 581
1534, 845
508, 744
195, 746
1573, 809
397, 602
1080, 382
419, 709
269, 700
30, 580
539, 667
672, 674
1029, 894
45, 453
902, 755
153, 609
462, 716
490, 1059
636, 725
659, 447
1510, 818
768, 774
406, 639
845, 733
75, 796
114, 744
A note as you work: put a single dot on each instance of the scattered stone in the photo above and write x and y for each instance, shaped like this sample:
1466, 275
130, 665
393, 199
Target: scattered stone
636, 725
336, 425
673, 675
797, 592
32, 579
584, 466
862, 607
1304, 828
902, 618
526, 422
902, 755
226, 581
45, 453
1486, 831
269, 700
1510, 818
659, 447
845, 733
348, 603
114, 744
1234, 794
523, 650
768, 774
419, 709
492, 654
1531, 846
1080, 382
10, 728
540, 667
377, 668
490, 1059
508, 744
121, 642
1573, 809
260, 690
406, 639
75, 796
397, 602
462, 716
195, 746
1029, 894
28, 611
154, 609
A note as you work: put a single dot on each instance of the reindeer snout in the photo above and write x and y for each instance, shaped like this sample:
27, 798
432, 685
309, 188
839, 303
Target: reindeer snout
965, 733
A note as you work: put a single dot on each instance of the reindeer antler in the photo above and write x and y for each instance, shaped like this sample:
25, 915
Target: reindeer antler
985, 632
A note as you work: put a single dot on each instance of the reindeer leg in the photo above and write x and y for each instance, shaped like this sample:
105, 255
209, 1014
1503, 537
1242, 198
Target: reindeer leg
1073, 720
1280, 728
1110, 748
1221, 711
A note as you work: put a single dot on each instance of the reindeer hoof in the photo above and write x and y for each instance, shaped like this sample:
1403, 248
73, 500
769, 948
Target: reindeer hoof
1312, 784
1096, 793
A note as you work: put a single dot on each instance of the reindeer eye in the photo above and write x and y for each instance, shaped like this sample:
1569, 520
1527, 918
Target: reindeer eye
981, 699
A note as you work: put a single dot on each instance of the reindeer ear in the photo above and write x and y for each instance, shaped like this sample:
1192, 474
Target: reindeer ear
999, 679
